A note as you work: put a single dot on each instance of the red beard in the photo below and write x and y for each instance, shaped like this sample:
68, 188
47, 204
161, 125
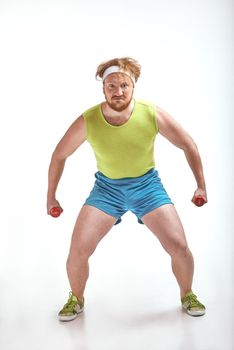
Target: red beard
118, 104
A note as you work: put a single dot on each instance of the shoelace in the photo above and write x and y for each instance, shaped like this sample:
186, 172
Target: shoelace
71, 303
192, 299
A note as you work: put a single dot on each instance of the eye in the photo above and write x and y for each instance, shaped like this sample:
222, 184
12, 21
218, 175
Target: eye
124, 86
111, 86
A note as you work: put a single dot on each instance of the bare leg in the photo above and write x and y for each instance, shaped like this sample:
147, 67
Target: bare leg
91, 226
164, 222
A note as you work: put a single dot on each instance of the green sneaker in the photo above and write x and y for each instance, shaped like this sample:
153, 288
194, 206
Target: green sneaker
192, 306
71, 309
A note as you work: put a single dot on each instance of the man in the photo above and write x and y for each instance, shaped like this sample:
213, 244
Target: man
122, 131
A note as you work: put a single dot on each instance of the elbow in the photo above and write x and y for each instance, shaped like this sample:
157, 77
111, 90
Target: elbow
190, 147
58, 156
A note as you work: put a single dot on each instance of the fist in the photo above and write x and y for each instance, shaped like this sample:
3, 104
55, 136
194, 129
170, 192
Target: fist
199, 201
55, 212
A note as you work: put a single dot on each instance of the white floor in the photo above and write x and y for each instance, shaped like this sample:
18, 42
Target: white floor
132, 299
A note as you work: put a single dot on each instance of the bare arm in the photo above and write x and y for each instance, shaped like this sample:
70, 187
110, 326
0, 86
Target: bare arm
173, 131
72, 139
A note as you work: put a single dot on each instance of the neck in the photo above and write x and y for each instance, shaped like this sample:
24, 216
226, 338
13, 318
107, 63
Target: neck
117, 117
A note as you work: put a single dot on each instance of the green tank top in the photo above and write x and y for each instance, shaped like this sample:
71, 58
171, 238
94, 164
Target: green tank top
126, 150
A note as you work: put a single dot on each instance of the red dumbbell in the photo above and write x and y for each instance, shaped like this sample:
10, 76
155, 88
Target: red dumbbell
55, 212
199, 201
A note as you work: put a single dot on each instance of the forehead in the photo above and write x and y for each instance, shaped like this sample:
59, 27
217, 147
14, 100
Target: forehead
118, 78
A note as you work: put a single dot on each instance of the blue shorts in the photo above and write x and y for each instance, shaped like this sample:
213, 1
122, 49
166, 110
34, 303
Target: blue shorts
140, 195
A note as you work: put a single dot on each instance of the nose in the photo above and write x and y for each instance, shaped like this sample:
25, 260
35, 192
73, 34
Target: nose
119, 91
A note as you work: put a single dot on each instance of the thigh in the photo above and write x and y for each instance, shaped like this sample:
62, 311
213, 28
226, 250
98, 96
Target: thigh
165, 223
91, 226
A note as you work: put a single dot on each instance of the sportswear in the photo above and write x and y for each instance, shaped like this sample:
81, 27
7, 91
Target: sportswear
192, 306
140, 195
126, 150
71, 309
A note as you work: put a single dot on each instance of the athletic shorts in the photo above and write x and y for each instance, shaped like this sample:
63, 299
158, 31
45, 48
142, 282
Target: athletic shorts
140, 195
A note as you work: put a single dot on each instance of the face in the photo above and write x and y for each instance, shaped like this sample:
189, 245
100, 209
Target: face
118, 90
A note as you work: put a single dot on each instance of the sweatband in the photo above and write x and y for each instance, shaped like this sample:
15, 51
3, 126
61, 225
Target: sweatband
117, 69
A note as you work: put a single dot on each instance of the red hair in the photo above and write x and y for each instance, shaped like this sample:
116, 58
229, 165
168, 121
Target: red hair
126, 63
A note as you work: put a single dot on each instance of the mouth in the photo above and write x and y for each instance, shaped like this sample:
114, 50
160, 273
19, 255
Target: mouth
118, 98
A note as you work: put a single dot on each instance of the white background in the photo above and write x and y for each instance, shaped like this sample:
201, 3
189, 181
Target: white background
49, 51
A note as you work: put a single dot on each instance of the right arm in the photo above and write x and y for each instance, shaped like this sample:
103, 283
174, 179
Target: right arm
72, 139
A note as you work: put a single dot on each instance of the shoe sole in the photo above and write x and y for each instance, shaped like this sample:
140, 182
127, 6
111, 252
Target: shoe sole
194, 313
69, 318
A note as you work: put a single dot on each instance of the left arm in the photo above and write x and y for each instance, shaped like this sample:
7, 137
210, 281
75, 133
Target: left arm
173, 131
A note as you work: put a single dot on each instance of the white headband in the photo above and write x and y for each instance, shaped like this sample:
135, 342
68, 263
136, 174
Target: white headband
117, 69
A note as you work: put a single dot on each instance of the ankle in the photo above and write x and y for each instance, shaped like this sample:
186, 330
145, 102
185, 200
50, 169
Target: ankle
184, 292
78, 296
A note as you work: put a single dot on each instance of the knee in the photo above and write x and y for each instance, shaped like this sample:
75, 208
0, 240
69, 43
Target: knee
76, 259
178, 248
80, 253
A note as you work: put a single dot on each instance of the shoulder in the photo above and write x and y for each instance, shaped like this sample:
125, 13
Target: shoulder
164, 118
93, 110
144, 103
145, 106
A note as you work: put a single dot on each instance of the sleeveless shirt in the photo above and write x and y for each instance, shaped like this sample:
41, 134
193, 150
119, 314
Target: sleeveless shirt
126, 150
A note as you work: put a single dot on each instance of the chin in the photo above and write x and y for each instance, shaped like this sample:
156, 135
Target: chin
119, 107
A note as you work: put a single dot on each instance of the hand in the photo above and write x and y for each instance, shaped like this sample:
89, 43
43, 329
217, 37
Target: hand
199, 197
54, 208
